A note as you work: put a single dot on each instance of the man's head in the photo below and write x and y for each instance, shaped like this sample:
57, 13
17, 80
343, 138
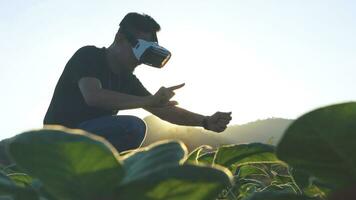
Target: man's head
137, 24
133, 26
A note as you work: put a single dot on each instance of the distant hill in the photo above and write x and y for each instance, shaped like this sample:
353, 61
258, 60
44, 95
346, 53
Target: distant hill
264, 131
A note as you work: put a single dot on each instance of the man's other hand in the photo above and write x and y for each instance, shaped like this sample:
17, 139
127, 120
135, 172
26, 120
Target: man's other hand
218, 122
163, 96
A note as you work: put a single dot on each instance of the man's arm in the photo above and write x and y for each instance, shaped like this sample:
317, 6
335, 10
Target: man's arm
217, 122
176, 115
94, 95
158, 104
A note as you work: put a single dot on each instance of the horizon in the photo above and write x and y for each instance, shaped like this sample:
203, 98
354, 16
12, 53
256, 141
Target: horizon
259, 60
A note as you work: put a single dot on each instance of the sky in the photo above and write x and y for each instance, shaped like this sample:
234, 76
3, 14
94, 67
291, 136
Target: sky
257, 58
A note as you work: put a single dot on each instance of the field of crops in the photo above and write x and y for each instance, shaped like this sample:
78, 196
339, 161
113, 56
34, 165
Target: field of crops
315, 159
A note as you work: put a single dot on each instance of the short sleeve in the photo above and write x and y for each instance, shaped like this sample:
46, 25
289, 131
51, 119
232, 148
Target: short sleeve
136, 87
84, 63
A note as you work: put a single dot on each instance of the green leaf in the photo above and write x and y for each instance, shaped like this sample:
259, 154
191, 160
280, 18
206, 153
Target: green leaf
4, 157
287, 187
21, 179
126, 152
274, 195
206, 158
301, 177
9, 189
154, 157
252, 174
194, 155
250, 170
233, 156
71, 163
6, 184
315, 191
322, 142
6, 197
9, 169
178, 183
245, 190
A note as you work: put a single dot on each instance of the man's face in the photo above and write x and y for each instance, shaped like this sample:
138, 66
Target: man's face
127, 52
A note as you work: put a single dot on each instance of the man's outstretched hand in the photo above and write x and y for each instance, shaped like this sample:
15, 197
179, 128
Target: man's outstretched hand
218, 122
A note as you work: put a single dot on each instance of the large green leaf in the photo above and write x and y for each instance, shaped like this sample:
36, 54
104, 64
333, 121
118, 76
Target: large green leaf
72, 164
322, 142
233, 156
154, 157
178, 183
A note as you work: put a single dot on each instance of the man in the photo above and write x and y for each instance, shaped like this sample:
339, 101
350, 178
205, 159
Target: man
98, 82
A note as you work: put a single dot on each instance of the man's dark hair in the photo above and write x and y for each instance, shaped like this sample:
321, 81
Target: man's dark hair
135, 22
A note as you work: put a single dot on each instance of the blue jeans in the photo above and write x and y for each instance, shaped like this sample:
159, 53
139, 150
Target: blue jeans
124, 132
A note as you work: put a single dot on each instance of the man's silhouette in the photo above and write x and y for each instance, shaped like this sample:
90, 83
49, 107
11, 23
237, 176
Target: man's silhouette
98, 82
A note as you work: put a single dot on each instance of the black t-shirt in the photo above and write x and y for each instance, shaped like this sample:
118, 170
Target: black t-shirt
68, 107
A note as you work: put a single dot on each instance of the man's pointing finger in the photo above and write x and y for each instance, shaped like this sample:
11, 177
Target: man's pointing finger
176, 87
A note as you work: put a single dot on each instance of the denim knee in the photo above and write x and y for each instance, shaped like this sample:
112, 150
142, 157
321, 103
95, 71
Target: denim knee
138, 125
136, 131
124, 132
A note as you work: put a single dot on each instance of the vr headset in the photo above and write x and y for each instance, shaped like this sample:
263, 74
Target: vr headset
149, 53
